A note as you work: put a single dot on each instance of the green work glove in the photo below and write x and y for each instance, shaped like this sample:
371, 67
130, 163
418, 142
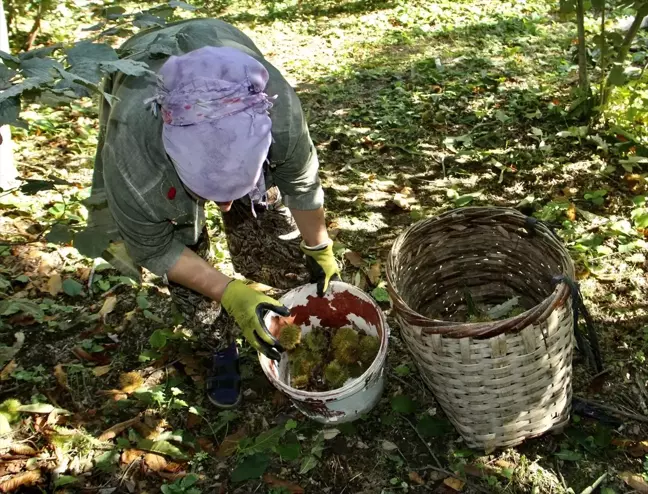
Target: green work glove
322, 265
247, 307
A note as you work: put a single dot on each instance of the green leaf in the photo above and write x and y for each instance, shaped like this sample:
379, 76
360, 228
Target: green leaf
44, 68
251, 468
466, 199
307, 464
143, 302
290, 425
14, 306
617, 76
128, 67
22, 278
6, 74
161, 447
10, 113
60, 234
403, 404
106, 462
29, 84
149, 315
181, 5
158, 339
87, 50
433, 427
7, 57
72, 287
267, 441
568, 455
289, 451
402, 370
189, 480
380, 294
65, 480
37, 408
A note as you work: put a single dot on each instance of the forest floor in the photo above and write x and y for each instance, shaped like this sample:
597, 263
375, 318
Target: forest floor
416, 108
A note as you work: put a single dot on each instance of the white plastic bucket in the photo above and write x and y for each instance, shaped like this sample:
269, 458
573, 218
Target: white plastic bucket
343, 305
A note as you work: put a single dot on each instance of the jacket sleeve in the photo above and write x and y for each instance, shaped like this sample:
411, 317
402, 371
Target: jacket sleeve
298, 178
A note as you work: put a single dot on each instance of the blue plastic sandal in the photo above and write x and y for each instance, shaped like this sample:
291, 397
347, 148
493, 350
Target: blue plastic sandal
224, 384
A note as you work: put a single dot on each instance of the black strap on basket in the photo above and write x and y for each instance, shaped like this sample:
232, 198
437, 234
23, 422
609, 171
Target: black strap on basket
530, 226
588, 343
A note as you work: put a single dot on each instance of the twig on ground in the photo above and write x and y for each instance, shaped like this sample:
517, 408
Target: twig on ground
439, 468
597, 482
614, 411
643, 394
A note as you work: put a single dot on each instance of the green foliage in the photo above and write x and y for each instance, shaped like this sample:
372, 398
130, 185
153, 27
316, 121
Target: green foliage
403, 404
252, 467
596, 197
61, 73
72, 287
184, 485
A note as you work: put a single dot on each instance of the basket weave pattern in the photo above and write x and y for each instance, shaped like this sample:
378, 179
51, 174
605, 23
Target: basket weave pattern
499, 382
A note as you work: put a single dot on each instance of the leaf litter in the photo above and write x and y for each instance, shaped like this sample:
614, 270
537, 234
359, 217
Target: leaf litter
456, 104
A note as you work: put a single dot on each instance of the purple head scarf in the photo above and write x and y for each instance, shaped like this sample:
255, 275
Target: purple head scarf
216, 130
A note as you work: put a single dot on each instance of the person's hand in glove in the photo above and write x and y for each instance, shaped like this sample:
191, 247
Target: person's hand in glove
322, 265
247, 307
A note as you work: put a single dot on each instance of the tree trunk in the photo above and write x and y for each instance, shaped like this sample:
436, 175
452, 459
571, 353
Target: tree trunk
625, 49
8, 173
583, 80
34, 30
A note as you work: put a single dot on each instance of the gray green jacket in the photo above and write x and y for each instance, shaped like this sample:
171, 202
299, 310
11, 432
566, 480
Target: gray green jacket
136, 194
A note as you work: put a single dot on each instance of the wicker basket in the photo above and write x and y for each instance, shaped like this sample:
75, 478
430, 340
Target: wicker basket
499, 382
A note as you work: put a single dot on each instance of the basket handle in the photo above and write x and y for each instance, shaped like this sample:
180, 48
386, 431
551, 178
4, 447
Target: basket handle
531, 223
588, 344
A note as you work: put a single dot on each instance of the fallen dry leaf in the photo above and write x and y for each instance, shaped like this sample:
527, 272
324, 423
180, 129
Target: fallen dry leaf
22, 449
8, 370
101, 370
454, 483
20, 480
155, 462
416, 478
206, 445
54, 284
360, 280
108, 306
117, 429
61, 376
173, 467
635, 481
131, 455
355, 259
374, 273
389, 446
291, 487
230, 443
193, 421
83, 355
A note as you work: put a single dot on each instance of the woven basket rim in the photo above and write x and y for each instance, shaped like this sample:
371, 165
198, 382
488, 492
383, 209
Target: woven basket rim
537, 314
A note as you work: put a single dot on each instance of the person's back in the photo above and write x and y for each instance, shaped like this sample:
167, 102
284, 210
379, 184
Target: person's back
131, 155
